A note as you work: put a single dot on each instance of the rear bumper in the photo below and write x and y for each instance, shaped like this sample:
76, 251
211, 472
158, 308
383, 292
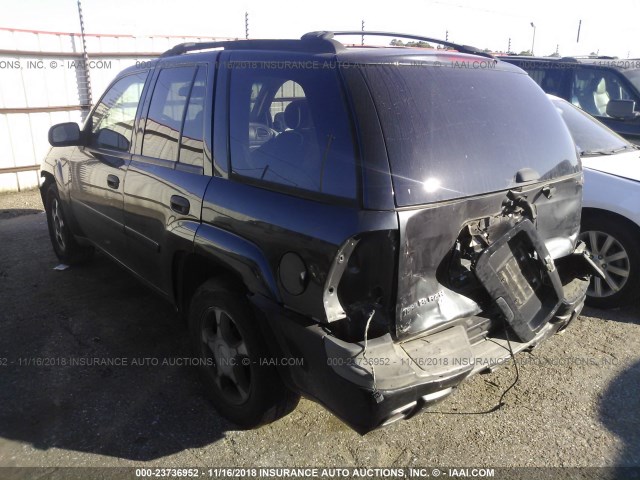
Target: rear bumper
408, 376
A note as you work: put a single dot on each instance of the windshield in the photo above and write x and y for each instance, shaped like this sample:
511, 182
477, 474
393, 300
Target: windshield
591, 136
454, 132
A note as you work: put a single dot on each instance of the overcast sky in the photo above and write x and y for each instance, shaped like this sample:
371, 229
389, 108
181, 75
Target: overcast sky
608, 27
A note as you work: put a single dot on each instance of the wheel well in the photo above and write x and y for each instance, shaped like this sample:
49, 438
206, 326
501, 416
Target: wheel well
192, 270
48, 180
598, 212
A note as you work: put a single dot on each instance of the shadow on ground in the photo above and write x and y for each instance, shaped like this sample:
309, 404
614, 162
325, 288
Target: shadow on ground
119, 399
17, 212
617, 411
628, 314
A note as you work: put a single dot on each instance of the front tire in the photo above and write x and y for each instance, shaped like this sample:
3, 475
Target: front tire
616, 249
227, 340
64, 244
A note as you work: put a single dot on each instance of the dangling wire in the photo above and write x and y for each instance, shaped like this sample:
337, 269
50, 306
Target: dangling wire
515, 364
500, 403
376, 393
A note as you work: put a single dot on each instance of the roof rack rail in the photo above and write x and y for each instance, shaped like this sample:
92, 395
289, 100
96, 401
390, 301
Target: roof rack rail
312, 44
328, 35
317, 42
183, 48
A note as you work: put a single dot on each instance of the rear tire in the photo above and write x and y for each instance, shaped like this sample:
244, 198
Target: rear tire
64, 244
616, 249
226, 339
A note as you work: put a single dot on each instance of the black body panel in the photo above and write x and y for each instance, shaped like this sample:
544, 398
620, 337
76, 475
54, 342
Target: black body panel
354, 269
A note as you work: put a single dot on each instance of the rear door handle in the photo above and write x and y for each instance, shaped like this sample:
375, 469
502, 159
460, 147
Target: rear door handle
113, 181
180, 204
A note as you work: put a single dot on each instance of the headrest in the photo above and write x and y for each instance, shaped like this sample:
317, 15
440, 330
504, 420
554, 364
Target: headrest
296, 115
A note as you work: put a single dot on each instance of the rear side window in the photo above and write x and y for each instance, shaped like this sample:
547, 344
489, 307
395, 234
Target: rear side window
176, 101
289, 127
454, 132
550, 78
191, 143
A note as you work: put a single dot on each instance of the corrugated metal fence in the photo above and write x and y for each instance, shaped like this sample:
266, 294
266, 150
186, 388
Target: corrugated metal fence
44, 81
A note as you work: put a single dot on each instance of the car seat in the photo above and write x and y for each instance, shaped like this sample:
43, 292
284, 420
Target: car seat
601, 97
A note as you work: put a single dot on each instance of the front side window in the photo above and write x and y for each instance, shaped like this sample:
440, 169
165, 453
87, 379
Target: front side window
592, 88
112, 121
166, 113
634, 77
290, 127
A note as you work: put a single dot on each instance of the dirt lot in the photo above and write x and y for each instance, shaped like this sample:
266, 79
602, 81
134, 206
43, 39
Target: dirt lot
577, 401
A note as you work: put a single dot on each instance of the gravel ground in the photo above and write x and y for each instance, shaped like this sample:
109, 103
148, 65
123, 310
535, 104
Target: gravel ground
14, 204
576, 403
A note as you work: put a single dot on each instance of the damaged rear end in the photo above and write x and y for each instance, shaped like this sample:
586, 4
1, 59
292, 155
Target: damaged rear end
485, 262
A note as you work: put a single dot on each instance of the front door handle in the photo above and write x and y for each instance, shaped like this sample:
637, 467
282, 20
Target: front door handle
113, 181
180, 204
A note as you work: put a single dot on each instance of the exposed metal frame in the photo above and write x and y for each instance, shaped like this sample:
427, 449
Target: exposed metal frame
78, 55
61, 108
24, 168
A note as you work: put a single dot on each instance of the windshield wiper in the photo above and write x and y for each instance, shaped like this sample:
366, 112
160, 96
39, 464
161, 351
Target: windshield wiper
613, 151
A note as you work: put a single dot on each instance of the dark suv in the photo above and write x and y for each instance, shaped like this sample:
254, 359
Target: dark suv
363, 226
606, 87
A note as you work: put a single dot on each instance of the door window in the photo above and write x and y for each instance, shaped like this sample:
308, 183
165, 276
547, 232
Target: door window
289, 127
192, 140
166, 113
549, 77
592, 89
111, 123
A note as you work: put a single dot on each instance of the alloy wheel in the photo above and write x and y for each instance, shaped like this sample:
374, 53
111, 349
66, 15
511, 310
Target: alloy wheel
223, 343
58, 223
609, 254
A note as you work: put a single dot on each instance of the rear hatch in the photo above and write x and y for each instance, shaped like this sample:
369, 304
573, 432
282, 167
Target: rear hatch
481, 162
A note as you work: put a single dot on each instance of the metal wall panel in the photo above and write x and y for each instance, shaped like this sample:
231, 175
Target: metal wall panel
41, 84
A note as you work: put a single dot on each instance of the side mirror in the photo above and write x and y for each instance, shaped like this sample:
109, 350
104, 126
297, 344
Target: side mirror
622, 109
64, 135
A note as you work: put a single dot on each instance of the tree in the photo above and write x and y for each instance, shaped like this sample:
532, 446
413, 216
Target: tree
400, 43
525, 52
420, 44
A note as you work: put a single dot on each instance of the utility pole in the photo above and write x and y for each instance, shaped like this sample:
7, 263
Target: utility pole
246, 25
534, 38
362, 37
84, 81
557, 49
509, 47
446, 36
578, 37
